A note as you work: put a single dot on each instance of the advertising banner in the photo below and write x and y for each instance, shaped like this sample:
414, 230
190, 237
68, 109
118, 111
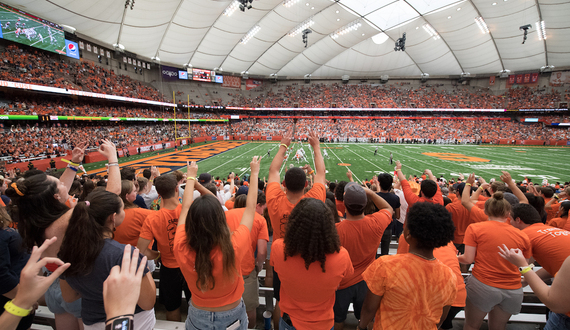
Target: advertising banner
559, 78
169, 73
232, 82
252, 83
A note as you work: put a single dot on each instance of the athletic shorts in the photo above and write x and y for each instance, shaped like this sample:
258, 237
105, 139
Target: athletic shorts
354, 294
172, 283
486, 297
251, 291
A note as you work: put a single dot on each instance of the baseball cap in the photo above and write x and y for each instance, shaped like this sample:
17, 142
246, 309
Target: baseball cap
205, 178
354, 195
243, 190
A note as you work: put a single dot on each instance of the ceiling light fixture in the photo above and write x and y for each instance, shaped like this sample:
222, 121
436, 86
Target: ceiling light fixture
353, 26
231, 8
431, 31
250, 34
299, 28
289, 3
541, 30
481, 24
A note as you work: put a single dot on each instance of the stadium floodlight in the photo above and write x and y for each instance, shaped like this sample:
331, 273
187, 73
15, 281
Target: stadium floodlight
546, 68
250, 34
301, 27
155, 58
231, 8
290, 3
431, 31
481, 24
465, 74
541, 30
119, 47
353, 26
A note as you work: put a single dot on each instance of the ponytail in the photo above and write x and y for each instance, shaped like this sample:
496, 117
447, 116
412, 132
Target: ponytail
85, 234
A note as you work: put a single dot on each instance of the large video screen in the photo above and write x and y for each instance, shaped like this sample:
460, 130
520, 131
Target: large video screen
202, 75
19, 26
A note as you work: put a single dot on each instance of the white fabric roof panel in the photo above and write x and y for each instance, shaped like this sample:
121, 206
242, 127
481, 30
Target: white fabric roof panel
195, 31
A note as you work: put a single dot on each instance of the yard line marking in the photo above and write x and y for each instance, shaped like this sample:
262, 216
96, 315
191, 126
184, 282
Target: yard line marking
345, 165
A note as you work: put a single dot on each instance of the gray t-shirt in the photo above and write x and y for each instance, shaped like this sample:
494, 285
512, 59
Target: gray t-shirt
90, 286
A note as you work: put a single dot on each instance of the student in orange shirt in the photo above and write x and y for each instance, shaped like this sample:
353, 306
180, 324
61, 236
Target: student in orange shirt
460, 217
311, 263
413, 290
550, 246
429, 190
161, 226
562, 220
129, 231
210, 255
360, 235
494, 288
251, 265
280, 203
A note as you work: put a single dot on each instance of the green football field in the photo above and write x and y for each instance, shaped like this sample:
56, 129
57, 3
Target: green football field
536, 163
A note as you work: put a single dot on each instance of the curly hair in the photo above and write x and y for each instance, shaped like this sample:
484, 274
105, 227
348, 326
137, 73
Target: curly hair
430, 224
311, 233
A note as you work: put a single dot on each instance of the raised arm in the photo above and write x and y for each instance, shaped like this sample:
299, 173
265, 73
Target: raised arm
349, 176
319, 160
465, 198
430, 175
76, 157
506, 178
401, 175
475, 195
278, 159
251, 202
108, 149
191, 171
380, 202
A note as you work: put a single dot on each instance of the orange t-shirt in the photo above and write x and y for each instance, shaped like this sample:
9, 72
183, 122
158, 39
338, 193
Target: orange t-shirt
490, 268
477, 215
558, 222
161, 225
279, 207
225, 291
413, 290
361, 239
412, 198
340, 207
129, 231
258, 231
460, 217
550, 246
229, 204
480, 204
448, 256
308, 295
453, 197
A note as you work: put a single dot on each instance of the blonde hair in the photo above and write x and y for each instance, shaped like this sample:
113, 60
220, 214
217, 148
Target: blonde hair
5, 219
497, 206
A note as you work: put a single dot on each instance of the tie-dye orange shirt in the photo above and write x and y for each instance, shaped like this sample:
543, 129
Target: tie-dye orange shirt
413, 290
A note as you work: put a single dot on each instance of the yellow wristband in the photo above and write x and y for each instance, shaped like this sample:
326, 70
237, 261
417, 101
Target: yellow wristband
481, 188
399, 169
15, 310
157, 256
283, 144
467, 184
527, 269
69, 162
191, 178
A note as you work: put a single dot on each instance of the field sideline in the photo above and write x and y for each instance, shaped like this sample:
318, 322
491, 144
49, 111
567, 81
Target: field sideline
536, 163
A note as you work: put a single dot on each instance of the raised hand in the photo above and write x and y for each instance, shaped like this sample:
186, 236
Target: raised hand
255, 165
398, 165
107, 149
506, 177
192, 169
514, 256
286, 139
471, 179
313, 139
78, 152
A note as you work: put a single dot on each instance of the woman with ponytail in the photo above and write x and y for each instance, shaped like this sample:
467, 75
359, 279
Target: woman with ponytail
494, 287
89, 247
42, 208
208, 254
129, 231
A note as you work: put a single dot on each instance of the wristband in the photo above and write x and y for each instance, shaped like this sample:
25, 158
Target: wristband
157, 256
122, 322
526, 269
15, 310
69, 162
72, 168
191, 178
399, 169
283, 144
467, 184
113, 164
313, 171
481, 188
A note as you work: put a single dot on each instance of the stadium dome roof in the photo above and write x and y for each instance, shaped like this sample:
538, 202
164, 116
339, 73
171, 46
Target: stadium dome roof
203, 34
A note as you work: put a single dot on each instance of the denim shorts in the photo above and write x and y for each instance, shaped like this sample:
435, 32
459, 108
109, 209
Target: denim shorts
557, 322
57, 305
199, 319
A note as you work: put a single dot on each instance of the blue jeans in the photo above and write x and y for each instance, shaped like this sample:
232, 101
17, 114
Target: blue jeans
557, 322
199, 319
285, 326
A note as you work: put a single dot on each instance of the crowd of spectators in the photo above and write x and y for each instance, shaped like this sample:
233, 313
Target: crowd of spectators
37, 67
